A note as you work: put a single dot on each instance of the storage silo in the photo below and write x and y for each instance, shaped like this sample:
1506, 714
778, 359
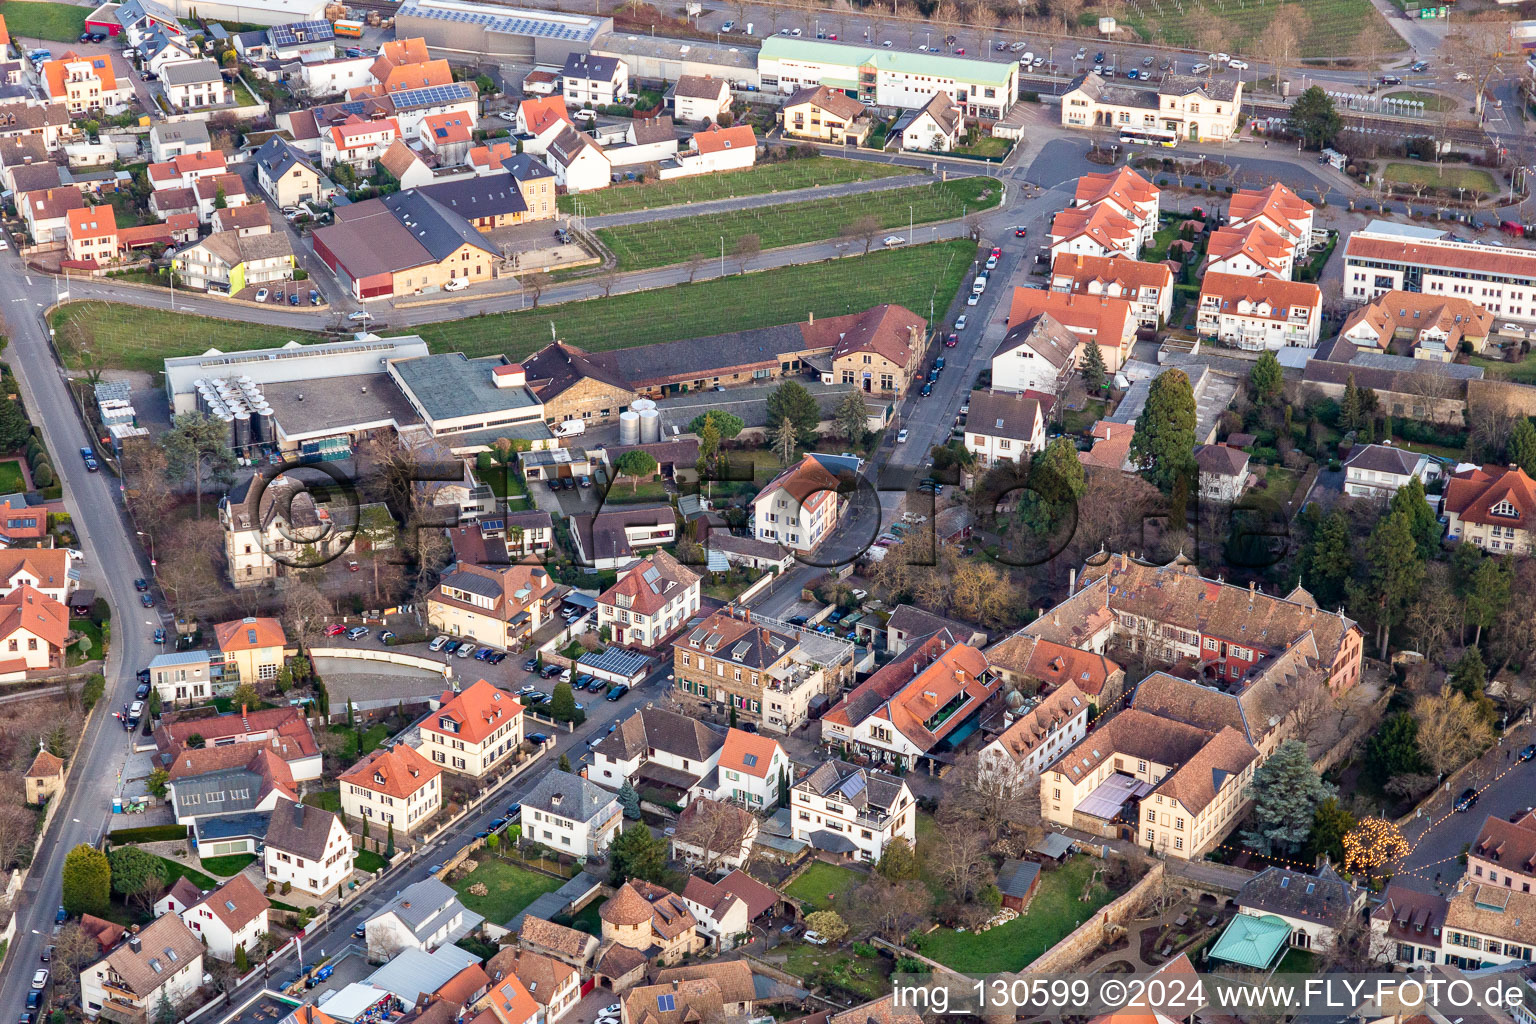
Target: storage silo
228, 419
242, 420
266, 433
629, 427
650, 426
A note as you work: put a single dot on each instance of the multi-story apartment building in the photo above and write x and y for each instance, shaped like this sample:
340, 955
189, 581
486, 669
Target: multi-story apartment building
765, 671
653, 599
1039, 734
799, 507
844, 809
1501, 279
1127, 193
1253, 250
1279, 209
1148, 287
1486, 926
1492, 508
1258, 313
392, 786
473, 731
491, 604
1424, 326
307, 847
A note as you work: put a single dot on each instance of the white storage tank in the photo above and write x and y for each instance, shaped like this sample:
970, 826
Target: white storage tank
629, 427
650, 426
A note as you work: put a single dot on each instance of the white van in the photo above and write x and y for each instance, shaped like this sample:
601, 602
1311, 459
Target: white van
1028, 58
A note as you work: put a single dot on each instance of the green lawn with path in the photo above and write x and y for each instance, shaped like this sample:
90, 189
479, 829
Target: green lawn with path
782, 176
509, 888
1522, 372
1054, 912
1433, 101
824, 886
12, 480
175, 869
225, 867
665, 242
56, 23
91, 630
1431, 176
132, 337
1327, 28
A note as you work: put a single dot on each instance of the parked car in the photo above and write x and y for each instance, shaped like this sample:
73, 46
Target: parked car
961, 321
973, 299
901, 437
550, 671
147, 600
40, 978
293, 298
498, 657
1200, 69
438, 643
531, 665
261, 294
143, 690
465, 649
386, 636
356, 633
457, 284
892, 240
1528, 753
314, 297
159, 636
1466, 801
927, 389
1237, 65
335, 629
537, 737
618, 691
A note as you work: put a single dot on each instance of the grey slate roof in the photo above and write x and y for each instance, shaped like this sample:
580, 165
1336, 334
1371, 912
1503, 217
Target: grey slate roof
300, 829
662, 730
569, 796
232, 826
1221, 460
424, 906
191, 132
237, 789
1016, 877
474, 583
525, 168
705, 357
1323, 898
590, 67
700, 87
485, 195
1003, 414
439, 230
1183, 85
879, 790
450, 384
277, 157
191, 72
1382, 458
602, 535
1044, 335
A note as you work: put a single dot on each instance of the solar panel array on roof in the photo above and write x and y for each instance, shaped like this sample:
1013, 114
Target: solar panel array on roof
519, 23
434, 94
852, 786
301, 32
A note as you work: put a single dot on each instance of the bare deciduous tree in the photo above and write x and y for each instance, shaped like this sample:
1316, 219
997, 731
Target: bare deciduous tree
1451, 729
715, 830
745, 250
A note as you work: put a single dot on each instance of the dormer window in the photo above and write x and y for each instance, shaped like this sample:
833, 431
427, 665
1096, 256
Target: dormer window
1504, 508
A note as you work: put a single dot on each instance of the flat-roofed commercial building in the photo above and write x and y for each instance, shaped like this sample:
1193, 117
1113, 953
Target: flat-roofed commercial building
983, 89
542, 37
1500, 279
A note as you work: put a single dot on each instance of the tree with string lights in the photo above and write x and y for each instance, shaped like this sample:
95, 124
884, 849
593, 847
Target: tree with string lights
1372, 843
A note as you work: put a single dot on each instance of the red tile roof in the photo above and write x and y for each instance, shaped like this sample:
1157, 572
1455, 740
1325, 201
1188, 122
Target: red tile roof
249, 634
541, 114
398, 771
1124, 187
37, 613
1110, 318
715, 139
911, 690
1256, 241
479, 710
650, 584
1093, 274
1104, 224
92, 222
1278, 204
1281, 296
1472, 495
740, 745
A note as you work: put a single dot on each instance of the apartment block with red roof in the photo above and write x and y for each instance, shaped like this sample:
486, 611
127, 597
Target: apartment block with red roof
91, 234
1148, 287
394, 785
1100, 318
1492, 507
921, 704
1095, 231
652, 600
283, 730
474, 731
1251, 251
1039, 734
1259, 313
497, 605
1126, 192
1277, 208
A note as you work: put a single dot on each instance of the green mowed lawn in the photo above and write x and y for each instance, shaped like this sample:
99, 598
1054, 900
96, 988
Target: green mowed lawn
175, 869
224, 867
325, 799
131, 337
510, 887
56, 23
775, 177
662, 243
1521, 372
861, 975
1330, 28
1434, 177
91, 630
1431, 100
12, 480
368, 861
1054, 912
823, 886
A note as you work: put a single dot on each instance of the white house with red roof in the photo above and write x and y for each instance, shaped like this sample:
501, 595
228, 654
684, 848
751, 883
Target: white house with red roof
184, 170
912, 706
448, 135
1099, 318
229, 918
1039, 734
356, 142
750, 769
1258, 313
653, 599
1254, 250
90, 234
1492, 508
799, 507
1095, 231
716, 149
543, 119
394, 785
1124, 191
474, 731
45, 569
33, 630
1277, 208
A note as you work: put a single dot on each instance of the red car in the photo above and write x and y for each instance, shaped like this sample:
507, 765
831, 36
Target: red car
335, 630
952, 341
1020, 232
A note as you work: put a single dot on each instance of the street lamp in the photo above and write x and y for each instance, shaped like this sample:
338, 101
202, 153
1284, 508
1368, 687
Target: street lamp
722, 255
152, 562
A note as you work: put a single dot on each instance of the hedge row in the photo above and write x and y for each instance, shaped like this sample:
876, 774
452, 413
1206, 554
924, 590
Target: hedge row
148, 834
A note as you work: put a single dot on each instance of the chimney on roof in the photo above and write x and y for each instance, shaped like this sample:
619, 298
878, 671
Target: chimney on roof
1122, 561
1071, 580
134, 944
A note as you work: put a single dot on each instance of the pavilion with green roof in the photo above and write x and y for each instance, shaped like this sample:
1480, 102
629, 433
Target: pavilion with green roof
1257, 942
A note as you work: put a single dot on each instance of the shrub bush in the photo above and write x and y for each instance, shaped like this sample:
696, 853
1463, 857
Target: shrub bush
42, 475
148, 834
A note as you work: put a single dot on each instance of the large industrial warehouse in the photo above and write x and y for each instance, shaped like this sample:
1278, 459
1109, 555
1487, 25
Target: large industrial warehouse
491, 30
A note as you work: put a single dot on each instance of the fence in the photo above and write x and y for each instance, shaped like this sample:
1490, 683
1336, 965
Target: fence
1086, 937
369, 654
763, 584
